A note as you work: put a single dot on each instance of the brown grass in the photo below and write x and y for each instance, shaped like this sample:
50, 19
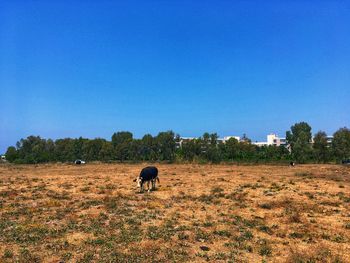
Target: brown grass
199, 213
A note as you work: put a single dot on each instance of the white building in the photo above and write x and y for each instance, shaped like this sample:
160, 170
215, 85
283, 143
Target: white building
260, 144
272, 139
183, 140
329, 139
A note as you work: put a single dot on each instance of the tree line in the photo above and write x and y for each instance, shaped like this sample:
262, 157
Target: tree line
122, 147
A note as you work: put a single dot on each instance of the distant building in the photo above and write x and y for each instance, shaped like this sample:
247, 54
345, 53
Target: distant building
226, 138
329, 140
272, 139
182, 140
260, 144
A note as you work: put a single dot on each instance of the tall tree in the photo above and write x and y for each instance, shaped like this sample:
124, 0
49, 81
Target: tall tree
92, 149
106, 153
231, 149
299, 139
135, 150
64, 150
214, 139
33, 150
78, 146
247, 150
11, 154
121, 137
121, 142
272, 153
166, 146
148, 149
320, 147
213, 153
341, 143
190, 149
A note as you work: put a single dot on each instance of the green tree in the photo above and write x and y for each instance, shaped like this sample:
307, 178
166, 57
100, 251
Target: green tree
33, 149
320, 147
213, 154
135, 150
230, 149
121, 137
190, 150
148, 151
92, 149
210, 150
121, 142
204, 142
341, 144
272, 153
78, 146
247, 151
64, 150
299, 139
165, 142
11, 154
214, 139
106, 152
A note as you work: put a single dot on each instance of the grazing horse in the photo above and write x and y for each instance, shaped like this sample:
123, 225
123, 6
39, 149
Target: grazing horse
147, 174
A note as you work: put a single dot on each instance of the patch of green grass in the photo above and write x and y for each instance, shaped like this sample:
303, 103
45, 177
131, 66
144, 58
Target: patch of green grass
183, 236
314, 254
265, 229
338, 238
347, 225
293, 214
265, 249
296, 235
200, 235
216, 190
222, 233
87, 257
132, 234
208, 199
89, 203
8, 254
59, 196
27, 234
208, 224
85, 189
26, 256
266, 206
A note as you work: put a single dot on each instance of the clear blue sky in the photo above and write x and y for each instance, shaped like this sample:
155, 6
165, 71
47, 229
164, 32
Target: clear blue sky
90, 68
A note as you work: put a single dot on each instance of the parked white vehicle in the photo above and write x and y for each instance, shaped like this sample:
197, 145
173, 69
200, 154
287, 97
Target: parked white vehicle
79, 161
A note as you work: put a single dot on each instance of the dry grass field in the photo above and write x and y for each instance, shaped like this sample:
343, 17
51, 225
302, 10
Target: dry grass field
199, 213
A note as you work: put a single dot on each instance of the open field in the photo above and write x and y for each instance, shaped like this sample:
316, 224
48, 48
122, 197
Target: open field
216, 213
